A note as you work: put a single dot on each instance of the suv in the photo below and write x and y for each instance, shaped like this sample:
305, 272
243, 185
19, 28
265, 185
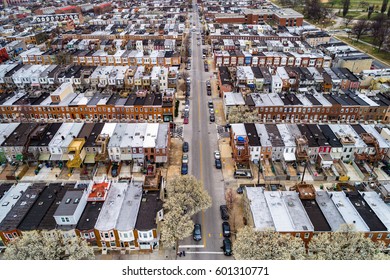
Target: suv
224, 212
225, 229
242, 174
197, 233
218, 164
227, 247
184, 169
185, 147
210, 104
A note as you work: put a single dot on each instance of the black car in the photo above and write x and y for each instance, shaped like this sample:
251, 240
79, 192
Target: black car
212, 118
225, 229
240, 190
227, 247
209, 92
114, 170
210, 104
224, 212
184, 169
185, 147
197, 233
218, 164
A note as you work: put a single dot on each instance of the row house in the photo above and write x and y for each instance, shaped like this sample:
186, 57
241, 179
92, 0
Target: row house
9, 225
102, 58
282, 142
238, 58
321, 212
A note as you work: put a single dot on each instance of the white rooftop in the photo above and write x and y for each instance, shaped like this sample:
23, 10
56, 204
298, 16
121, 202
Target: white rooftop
151, 135
10, 198
383, 143
233, 99
130, 207
348, 212
298, 214
263, 134
112, 207
288, 139
279, 213
261, 215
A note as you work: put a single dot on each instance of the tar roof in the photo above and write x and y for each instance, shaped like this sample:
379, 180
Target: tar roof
19, 211
365, 211
4, 188
20, 135
329, 210
112, 206
316, 216
90, 215
378, 206
147, 213
49, 134
11, 198
348, 212
97, 128
261, 214
130, 207
69, 203
40, 207
274, 135
48, 222
330, 136
251, 132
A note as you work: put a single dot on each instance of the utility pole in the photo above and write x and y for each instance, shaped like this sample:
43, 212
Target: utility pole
259, 169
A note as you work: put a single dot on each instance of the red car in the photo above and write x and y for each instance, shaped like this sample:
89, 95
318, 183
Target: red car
185, 120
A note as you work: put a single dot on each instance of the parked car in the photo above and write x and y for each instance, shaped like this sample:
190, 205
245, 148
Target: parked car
209, 92
184, 169
212, 118
210, 104
197, 233
186, 120
242, 174
224, 212
211, 110
225, 229
114, 170
227, 247
217, 155
184, 158
185, 147
240, 190
218, 164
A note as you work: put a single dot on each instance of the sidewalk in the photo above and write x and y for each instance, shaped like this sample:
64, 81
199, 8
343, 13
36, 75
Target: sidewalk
137, 255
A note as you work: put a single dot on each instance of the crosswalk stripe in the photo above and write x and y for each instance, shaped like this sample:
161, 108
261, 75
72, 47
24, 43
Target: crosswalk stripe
191, 246
205, 252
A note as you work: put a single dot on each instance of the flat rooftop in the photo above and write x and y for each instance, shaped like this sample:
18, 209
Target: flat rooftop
90, 215
111, 208
150, 205
130, 207
348, 212
329, 209
379, 207
261, 214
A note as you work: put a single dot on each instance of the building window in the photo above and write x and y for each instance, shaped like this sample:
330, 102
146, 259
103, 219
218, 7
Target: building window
307, 235
297, 235
379, 236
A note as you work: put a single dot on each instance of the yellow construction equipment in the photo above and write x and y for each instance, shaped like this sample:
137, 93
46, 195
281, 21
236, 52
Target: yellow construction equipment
76, 156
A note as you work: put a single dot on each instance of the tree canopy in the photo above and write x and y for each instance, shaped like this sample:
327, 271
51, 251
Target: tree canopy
38, 245
267, 245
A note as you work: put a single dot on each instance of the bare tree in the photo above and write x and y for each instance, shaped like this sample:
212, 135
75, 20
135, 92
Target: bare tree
346, 4
380, 29
384, 6
347, 20
242, 114
360, 28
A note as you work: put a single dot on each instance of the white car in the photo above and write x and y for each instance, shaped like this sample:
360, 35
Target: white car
217, 155
184, 158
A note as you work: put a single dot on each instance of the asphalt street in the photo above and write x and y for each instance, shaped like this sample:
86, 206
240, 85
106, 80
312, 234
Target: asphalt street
202, 137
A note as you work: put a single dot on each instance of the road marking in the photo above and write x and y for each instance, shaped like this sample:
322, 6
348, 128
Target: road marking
191, 246
205, 252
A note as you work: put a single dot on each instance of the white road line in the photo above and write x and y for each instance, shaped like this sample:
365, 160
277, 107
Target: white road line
204, 252
191, 246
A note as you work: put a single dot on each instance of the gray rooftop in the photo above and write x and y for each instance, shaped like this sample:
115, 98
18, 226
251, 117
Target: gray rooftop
261, 214
130, 206
69, 203
329, 210
379, 207
111, 208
